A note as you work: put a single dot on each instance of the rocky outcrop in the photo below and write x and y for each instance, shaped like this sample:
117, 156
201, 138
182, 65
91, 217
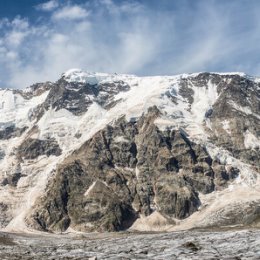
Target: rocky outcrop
77, 97
35, 90
5, 216
33, 148
237, 110
12, 179
11, 131
233, 116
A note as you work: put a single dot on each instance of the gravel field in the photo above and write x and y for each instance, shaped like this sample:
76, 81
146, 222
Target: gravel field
225, 244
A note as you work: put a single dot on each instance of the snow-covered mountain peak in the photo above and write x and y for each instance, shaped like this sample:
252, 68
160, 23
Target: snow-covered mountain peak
241, 74
77, 75
80, 76
112, 134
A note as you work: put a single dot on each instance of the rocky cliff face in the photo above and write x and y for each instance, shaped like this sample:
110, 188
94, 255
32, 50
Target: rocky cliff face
100, 152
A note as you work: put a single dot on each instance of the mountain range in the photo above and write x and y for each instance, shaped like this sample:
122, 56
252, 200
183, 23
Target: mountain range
110, 152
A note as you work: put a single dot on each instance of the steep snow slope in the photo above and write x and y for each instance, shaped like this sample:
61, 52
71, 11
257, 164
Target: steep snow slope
43, 125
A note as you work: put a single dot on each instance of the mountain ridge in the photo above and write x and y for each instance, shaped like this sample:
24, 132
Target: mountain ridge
199, 133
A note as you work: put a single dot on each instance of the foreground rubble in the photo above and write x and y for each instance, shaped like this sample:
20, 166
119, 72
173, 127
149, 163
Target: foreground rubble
225, 244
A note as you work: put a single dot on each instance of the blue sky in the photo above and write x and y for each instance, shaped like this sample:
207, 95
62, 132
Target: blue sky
41, 39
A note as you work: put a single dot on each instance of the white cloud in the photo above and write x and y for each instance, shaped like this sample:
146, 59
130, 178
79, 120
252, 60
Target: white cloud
15, 38
11, 55
20, 23
124, 7
74, 12
48, 6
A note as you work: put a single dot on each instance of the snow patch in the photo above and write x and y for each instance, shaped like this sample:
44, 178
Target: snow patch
15, 109
245, 110
251, 141
120, 139
137, 172
226, 126
92, 78
90, 188
77, 75
248, 177
204, 98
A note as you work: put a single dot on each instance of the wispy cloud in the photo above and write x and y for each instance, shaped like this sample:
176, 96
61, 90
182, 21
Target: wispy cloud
124, 7
48, 6
74, 12
144, 38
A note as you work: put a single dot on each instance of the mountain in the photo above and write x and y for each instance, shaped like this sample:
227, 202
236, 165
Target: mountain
108, 152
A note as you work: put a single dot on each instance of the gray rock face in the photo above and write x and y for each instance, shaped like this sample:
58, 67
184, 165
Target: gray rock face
77, 97
74, 97
5, 216
243, 94
127, 169
11, 132
35, 90
12, 179
237, 107
33, 148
